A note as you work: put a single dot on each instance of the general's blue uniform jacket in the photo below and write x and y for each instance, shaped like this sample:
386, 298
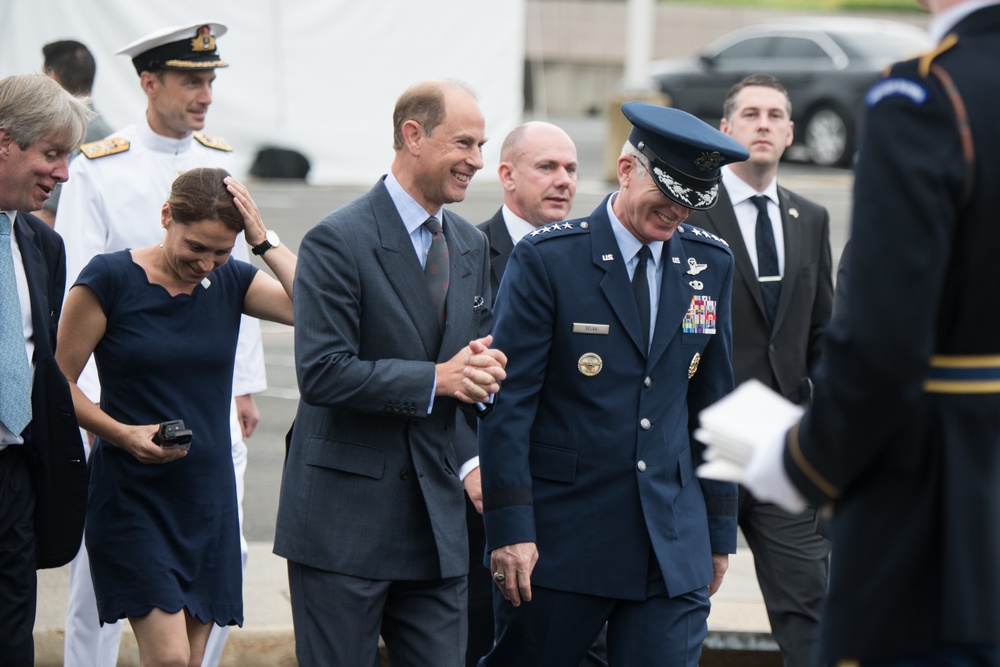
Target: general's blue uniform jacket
588, 450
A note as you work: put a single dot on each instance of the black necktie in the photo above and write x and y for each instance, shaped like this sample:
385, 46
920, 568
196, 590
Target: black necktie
767, 259
640, 288
436, 267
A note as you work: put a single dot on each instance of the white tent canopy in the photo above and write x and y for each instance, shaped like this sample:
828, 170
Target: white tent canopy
317, 76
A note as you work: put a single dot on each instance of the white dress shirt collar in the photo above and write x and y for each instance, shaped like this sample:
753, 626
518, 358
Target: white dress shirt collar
944, 21
517, 226
739, 190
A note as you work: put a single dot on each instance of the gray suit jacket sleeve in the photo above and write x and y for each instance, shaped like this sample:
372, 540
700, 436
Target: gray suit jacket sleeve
332, 367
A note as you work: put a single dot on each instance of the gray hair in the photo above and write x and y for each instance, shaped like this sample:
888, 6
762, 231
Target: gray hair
33, 107
628, 150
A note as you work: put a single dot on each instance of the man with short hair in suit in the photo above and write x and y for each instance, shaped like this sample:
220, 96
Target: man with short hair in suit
779, 346
43, 473
538, 174
390, 288
617, 330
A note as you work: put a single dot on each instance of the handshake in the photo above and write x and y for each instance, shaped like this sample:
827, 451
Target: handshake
744, 434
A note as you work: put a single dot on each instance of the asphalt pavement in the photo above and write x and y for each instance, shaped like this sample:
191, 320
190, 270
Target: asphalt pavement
738, 623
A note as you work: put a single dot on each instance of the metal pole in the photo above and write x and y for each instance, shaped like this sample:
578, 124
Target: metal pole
639, 28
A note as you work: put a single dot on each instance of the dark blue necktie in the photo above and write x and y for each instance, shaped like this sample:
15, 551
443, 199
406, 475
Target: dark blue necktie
640, 288
768, 273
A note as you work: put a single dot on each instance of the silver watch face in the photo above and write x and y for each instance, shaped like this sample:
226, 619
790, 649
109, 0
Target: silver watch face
272, 237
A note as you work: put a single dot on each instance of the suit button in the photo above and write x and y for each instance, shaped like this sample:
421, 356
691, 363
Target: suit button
645, 424
641, 465
404, 474
648, 382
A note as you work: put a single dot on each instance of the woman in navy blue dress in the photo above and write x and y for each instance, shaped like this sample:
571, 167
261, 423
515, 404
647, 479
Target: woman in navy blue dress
162, 322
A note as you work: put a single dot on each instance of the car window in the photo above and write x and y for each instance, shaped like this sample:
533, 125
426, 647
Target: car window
797, 47
887, 46
755, 47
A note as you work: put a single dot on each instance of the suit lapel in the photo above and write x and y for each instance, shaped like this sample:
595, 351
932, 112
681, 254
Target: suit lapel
34, 275
501, 246
615, 285
724, 219
402, 269
792, 233
464, 260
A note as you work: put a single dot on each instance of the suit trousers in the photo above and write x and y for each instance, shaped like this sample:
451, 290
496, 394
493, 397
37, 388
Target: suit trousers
18, 580
557, 628
338, 618
480, 589
793, 569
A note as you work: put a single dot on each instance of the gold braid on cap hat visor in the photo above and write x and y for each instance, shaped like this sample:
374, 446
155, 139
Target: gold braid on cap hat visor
195, 64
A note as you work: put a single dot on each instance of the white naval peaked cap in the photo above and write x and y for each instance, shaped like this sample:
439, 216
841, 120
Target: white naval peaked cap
187, 47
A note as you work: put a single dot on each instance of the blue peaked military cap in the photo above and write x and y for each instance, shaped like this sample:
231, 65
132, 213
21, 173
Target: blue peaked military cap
685, 154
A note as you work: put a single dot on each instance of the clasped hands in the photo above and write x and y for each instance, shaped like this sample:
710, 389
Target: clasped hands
474, 373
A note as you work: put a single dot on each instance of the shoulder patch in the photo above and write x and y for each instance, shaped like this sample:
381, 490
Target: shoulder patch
218, 143
895, 85
567, 228
110, 146
692, 233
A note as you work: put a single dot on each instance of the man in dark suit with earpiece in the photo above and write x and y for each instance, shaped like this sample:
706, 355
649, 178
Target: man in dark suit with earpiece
782, 298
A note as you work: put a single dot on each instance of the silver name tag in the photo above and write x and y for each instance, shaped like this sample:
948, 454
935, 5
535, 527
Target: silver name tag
580, 327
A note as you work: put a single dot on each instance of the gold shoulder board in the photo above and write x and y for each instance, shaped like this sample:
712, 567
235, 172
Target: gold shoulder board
218, 143
96, 149
949, 41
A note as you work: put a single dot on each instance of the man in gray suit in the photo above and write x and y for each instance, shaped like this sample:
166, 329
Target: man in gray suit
779, 313
371, 513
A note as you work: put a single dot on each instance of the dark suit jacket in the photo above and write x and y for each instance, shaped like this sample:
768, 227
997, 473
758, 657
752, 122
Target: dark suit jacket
598, 469
501, 246
55, 450
370, 486
779, 356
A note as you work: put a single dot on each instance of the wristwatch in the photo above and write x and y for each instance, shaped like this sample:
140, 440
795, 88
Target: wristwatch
271, 240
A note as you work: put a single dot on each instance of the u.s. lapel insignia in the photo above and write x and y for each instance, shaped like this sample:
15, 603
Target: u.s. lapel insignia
608, 258
693, 368
590, 364
697, 284
694, 267
794, 212
675, 260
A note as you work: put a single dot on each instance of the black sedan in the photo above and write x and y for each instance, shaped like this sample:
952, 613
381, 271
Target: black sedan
826, 64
